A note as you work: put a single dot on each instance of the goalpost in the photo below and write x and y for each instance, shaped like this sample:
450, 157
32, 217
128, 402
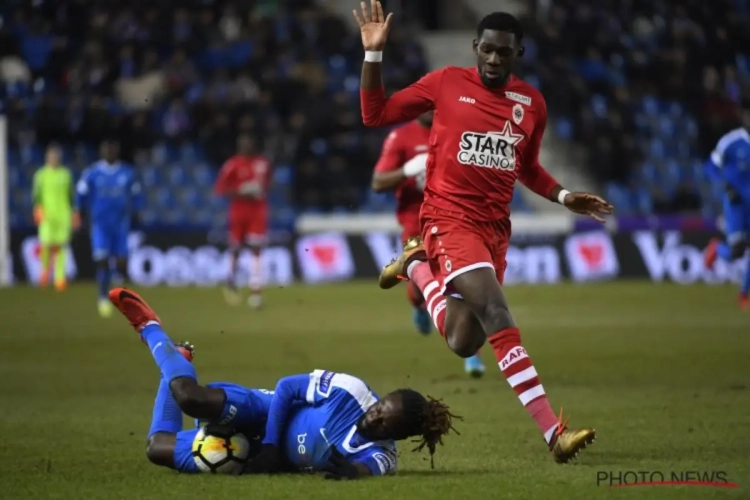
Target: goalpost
5, 259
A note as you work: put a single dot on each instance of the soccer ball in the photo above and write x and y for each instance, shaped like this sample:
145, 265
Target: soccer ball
220, 450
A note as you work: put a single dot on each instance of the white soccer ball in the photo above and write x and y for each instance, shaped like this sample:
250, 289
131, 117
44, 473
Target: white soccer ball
220, 450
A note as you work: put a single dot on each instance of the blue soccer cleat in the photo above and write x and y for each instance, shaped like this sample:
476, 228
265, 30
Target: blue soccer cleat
422, 320
474, 367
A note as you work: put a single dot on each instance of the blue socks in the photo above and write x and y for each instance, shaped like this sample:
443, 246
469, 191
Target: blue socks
167, 416
102, 281
745, 288
170, 361
724, 251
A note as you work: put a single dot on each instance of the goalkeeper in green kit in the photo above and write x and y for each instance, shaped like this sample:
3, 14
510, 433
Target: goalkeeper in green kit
55, 215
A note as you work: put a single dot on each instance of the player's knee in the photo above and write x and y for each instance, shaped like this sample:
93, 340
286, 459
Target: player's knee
101, 264
160, 449
189, 396
465, 346
154, 451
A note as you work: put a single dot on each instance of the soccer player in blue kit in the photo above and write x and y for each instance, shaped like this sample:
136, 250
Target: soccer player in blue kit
729, 165
318, 422
110, 193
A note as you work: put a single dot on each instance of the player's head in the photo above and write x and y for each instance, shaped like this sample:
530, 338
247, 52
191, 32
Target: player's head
246, 144
425, 119
53, 155
110, 151
406, 413
497, 46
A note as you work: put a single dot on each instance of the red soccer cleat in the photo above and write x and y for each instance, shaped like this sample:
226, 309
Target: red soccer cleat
186, 349
133, 307
744, 302
711, 253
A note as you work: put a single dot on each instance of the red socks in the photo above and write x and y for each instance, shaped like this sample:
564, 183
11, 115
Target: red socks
516, 365
421, 276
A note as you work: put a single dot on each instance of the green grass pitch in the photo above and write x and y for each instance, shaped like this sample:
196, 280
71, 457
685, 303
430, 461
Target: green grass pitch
661, 371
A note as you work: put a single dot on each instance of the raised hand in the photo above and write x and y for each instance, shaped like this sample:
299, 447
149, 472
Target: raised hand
373, 25
588, 204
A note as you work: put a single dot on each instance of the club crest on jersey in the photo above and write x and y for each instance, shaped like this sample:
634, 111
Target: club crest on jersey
517, 114
490, 149
518, 98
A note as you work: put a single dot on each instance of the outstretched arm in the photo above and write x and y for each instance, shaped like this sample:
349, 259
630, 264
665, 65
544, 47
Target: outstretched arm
377, 109
289, 390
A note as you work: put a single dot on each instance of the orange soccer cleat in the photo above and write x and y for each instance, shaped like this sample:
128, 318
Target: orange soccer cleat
133, 307
744, 302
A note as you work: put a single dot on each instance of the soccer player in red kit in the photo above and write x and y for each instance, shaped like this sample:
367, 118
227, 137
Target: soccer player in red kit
244, 178
401, 168
486, 134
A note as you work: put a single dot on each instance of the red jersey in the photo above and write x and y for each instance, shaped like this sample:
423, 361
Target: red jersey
241, 170
403, 144
482, 140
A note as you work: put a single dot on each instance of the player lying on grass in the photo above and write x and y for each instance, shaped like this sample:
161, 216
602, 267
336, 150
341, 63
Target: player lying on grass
322, 421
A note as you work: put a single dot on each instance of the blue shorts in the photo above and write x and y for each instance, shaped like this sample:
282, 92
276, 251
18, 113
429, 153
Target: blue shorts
244, 409
109, 241
183, 451
736, 220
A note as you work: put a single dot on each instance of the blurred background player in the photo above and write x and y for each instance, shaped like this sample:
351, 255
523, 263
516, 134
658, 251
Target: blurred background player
53, 195
110, 194
244, 178
401, 168
346, 429
729, 165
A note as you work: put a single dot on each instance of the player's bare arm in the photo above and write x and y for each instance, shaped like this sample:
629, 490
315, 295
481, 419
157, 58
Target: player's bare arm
387, 181
404, 105
374, 26
339, 468
582, 203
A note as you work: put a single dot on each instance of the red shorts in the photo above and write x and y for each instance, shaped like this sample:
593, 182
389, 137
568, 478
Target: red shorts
456, 244
250, 229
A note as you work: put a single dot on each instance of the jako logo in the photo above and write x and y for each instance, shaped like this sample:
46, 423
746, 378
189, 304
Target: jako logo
467, 99
301, 443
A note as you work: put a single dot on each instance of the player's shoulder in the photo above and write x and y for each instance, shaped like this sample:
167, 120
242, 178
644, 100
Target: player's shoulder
326, 382
523, 92
737, 135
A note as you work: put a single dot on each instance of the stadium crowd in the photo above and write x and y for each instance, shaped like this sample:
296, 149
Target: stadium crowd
647, 87
175, 85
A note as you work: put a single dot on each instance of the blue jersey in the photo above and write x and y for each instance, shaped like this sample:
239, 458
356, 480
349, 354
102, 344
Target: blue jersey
730, 161
730, 165
325, 408
110, 192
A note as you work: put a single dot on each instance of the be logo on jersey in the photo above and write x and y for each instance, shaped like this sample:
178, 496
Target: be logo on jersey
491, 149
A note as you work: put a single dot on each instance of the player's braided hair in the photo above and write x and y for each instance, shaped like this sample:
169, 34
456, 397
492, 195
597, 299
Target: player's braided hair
428, 418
